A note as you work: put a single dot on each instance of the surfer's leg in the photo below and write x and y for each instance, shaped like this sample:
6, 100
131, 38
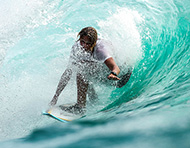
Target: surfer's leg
82, 87
124, 79
93, 97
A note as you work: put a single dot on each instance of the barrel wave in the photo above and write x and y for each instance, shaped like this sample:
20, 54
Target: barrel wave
151, 110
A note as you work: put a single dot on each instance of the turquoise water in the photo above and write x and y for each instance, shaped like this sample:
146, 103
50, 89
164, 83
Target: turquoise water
151, 110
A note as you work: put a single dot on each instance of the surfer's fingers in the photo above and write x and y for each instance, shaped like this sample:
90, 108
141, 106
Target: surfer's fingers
116, 78
112, 77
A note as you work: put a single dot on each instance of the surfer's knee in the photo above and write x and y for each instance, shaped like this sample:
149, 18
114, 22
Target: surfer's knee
81, 79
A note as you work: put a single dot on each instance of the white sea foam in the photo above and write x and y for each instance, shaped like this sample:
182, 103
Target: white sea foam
31, 72
121, 29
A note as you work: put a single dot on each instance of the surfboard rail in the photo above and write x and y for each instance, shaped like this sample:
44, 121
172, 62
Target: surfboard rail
61, 115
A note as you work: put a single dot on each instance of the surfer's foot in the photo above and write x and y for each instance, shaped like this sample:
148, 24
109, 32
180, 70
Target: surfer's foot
75, 109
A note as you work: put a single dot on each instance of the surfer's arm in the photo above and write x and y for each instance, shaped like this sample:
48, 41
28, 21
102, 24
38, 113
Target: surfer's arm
110, 63
62, 83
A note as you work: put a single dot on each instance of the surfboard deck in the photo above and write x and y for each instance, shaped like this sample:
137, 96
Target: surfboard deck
61, 115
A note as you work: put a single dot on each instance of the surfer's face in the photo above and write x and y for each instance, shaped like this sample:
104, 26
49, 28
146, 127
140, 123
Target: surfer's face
85, 43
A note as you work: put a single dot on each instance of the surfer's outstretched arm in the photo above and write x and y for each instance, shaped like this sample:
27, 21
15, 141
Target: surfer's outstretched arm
110, 63
62, 83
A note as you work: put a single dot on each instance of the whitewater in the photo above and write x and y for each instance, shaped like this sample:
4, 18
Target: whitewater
151, 110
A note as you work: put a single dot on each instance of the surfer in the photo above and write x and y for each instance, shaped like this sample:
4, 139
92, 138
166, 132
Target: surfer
89, 54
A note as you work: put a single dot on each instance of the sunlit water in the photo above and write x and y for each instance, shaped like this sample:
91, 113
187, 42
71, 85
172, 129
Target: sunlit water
151, 110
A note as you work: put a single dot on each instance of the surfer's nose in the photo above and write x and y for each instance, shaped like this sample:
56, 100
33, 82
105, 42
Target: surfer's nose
85, 44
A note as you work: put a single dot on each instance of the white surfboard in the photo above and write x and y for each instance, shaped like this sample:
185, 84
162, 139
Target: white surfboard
61, 115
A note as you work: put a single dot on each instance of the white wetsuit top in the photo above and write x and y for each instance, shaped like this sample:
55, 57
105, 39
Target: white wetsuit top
102, 51
91, 63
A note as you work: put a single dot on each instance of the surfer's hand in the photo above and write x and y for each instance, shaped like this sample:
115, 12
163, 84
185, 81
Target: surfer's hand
113, 77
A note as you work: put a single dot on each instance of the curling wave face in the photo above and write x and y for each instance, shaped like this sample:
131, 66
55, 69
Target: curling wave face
151, 37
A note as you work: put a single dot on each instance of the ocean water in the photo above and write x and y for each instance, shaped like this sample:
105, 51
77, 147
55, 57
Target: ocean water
151, 111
